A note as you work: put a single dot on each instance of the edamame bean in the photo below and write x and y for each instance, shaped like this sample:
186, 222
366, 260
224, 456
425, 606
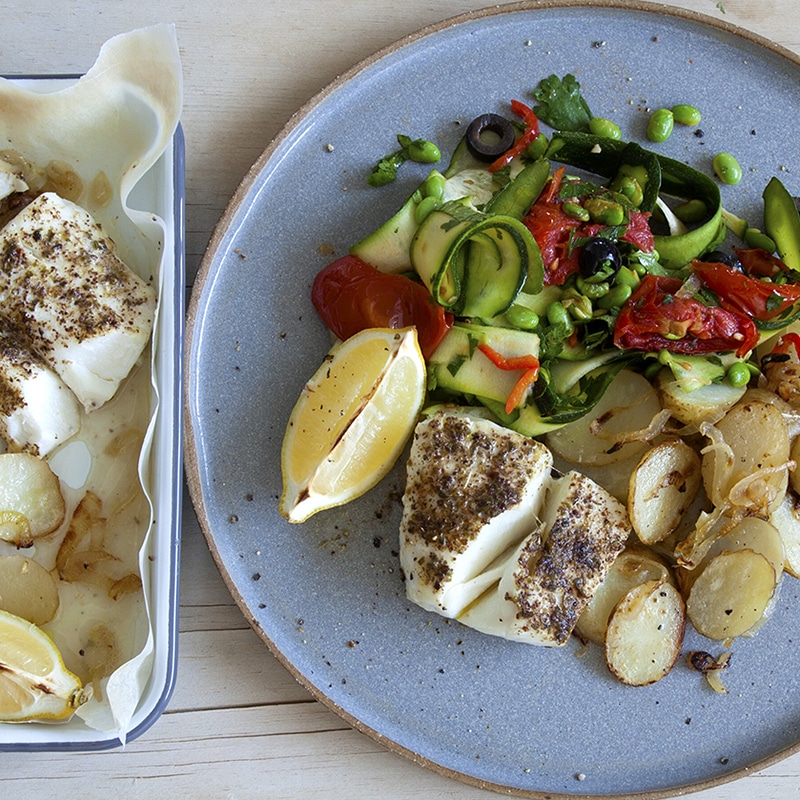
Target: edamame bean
433, 185
616, 296
591, 290
600, 126
738, 374
523, 318
606, 212
558, 316
575, 211
727, 168
660, 124
423, 151
753, 237
629, 187
684, 114
425, 207
627, 277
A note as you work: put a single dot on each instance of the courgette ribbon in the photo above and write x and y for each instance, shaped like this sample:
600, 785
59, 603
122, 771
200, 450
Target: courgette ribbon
473, 263
664, 176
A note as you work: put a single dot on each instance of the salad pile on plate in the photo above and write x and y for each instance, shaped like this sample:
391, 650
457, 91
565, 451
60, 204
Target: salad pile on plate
594, 295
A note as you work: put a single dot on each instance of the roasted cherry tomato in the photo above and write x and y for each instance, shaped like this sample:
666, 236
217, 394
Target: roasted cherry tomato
351, 295
656, 318
759, 299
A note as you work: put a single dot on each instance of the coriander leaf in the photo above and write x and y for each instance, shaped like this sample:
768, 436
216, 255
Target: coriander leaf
561, 104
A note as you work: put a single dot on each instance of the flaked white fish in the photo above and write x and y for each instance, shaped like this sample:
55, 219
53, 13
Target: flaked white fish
37, 411
66, 295
473, 490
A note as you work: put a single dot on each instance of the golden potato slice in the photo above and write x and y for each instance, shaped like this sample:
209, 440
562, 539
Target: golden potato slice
706, 404
662, 487
628, 406
27, 589
645, 633
786, 520
31, 503
630, 569
746, 464
731, 594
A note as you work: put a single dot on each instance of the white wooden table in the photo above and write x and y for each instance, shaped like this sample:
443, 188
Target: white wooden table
238, 725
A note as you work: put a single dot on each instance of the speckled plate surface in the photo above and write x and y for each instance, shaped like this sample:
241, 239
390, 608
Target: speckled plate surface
327, 596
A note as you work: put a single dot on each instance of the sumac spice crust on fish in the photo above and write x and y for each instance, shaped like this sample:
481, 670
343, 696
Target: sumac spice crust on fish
449, 510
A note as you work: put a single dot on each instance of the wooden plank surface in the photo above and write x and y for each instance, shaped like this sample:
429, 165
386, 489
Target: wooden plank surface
238, 725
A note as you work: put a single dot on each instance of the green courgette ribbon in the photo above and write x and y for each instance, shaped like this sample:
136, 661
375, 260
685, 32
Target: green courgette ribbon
473, 263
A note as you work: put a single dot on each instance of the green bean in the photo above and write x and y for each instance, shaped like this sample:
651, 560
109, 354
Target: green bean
727, 168
616, 296
423, 151
738, 374
685, 114
522, 317
660, 124
600, 126
538, 147
753, 237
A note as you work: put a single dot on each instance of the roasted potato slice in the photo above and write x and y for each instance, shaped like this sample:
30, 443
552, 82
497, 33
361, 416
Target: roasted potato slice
31, 503
706, 404
628, 406
645, 633
27, 589
630, 569
729, 597
662, 487
786, 520
746, 465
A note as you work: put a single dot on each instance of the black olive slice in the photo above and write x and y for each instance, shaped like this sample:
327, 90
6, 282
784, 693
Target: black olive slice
489, 136
599, 254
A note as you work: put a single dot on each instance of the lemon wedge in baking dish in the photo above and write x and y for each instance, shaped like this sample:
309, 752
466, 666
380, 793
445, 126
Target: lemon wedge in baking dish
34, 683
352, 420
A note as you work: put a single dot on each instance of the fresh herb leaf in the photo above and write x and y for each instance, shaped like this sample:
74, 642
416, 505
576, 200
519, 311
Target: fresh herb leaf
456, 363
561, 104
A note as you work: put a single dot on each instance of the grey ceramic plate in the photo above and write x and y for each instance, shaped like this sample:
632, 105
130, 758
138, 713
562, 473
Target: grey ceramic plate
327, 597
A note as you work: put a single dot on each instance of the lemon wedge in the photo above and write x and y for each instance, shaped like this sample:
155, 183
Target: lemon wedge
34, 683
352, 420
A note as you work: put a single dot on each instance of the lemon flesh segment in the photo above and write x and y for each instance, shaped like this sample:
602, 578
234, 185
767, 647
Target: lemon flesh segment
352, 420
34, 683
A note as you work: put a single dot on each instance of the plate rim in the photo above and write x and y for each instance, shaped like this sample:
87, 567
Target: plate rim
205, 270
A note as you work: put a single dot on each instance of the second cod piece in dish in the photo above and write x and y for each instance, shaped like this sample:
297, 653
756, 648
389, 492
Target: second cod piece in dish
37, 411
473, 490
68, 298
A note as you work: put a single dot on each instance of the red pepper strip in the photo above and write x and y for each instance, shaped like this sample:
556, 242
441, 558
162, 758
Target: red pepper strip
759, 299
787, 341
654, 319
529, 134
530, 365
